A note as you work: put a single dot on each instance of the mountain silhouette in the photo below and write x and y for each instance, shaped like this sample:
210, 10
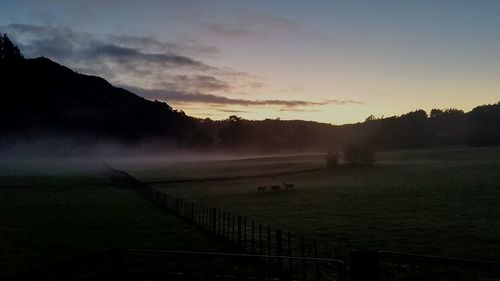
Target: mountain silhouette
41, 97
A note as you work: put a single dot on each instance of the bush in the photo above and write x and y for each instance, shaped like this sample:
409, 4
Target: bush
332, 160
358, 155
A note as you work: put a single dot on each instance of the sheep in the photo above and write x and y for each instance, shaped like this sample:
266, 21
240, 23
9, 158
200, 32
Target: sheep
261, 188
288, 185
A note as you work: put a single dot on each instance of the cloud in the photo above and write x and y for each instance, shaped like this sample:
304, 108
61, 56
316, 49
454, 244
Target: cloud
152, 44
125, 55
65, 44
233, 111
224, 30
193, 83
345, 102
292, 90
299, 110
177, 96
157, 69
143, 61
253, 26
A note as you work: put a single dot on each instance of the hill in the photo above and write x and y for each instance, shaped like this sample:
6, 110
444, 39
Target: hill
40, 97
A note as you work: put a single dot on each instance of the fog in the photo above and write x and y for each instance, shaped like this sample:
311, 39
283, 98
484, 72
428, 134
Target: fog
56, 155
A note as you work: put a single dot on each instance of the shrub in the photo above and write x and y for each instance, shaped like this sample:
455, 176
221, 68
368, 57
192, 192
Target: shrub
358, 155
332, 160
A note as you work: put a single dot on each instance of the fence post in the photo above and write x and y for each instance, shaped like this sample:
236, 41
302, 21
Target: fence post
239, 231
260, 238
279, 246
245, 233
219, 227
233, 229
192, 211
202, 214
224, 223
364, 265
303, 254
269, 252
207, 218
289, 250
316, 256
253, 237
214, 216
197, 213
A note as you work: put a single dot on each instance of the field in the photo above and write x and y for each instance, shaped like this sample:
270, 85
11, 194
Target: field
436, 202
47, 217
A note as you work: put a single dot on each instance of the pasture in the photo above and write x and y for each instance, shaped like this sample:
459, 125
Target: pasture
47, 217
436, 202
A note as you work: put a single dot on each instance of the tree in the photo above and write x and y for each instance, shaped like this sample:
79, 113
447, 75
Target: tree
358, 155
332, 160
436, 113
484, 125
236, 132
200, 140
370, 118
9, 51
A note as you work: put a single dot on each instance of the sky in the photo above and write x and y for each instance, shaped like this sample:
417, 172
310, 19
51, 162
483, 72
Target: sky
329, 61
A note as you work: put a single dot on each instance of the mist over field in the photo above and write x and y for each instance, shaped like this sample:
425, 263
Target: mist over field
227, 140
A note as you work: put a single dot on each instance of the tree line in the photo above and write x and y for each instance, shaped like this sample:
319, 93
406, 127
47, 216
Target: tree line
417, 129
41, 96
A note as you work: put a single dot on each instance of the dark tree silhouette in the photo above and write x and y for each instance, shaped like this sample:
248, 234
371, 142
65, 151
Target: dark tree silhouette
484, 125
8, 51
332, 160
236, 133
358, 155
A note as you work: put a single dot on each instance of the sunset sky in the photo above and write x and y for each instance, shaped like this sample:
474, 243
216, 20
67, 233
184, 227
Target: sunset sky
329, 61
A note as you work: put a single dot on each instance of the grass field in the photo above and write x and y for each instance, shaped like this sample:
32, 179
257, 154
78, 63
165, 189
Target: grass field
439, 202
47, 217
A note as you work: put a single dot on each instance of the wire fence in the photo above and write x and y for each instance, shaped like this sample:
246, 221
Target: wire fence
255, 238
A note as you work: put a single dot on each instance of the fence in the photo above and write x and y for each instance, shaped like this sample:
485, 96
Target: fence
235, 266
245, 234
286, 249
138, 264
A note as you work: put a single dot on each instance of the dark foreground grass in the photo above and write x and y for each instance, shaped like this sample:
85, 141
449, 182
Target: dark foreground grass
46, 219
437, 202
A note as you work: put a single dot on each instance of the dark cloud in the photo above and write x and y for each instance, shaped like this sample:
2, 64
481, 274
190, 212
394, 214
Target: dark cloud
124, 59
250, 25
299, 110
65, 44
345, 102
157, 69
233, 111
223, 30
154, 45
123, 54
177, 96
193, 83
292, 90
